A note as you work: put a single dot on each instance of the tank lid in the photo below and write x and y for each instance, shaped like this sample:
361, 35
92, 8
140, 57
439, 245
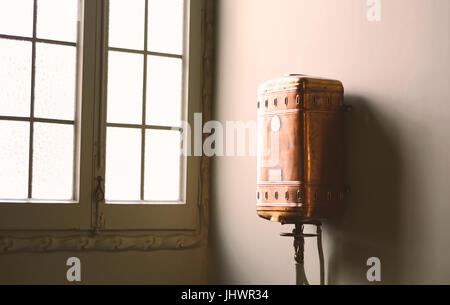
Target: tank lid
294, 74
293, 81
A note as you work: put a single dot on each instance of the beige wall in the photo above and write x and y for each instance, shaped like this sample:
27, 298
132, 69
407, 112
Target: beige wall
396, 75
159, 267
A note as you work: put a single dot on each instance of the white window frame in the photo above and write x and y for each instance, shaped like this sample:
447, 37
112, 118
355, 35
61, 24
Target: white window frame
129, 215
73, 214
86, 212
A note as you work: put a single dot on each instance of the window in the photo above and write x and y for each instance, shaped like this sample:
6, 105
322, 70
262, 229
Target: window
92, 98
37, 99
144, 101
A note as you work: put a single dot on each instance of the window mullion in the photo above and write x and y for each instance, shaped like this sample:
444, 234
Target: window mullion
144, 101
33, 77
148, 52
102, 51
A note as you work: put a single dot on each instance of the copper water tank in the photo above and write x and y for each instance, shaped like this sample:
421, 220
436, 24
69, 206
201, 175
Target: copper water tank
300, 149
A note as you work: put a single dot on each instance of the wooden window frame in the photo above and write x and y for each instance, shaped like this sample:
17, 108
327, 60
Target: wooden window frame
90, 224
63, 214
31, 118
156, 215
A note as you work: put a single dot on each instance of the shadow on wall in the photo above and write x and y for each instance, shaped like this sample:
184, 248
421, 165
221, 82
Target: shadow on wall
371, 224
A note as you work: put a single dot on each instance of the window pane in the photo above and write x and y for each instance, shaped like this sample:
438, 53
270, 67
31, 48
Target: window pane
16, 17
14, 148
57, 20
15, 77
163, 91
53, 155
165, 26
126, 24
123, 164
55, 81
125, 83
162, 165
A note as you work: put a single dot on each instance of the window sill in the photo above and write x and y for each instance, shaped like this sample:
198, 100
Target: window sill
36, 201
101, 242
144, 202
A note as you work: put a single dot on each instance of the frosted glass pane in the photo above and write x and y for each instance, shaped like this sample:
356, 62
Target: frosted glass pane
16, 17
15, 77
55, 81
14, 148
165, 26
126, 24
125, 81
164, 91
57, 20
123, 164
53, 155
162, 165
